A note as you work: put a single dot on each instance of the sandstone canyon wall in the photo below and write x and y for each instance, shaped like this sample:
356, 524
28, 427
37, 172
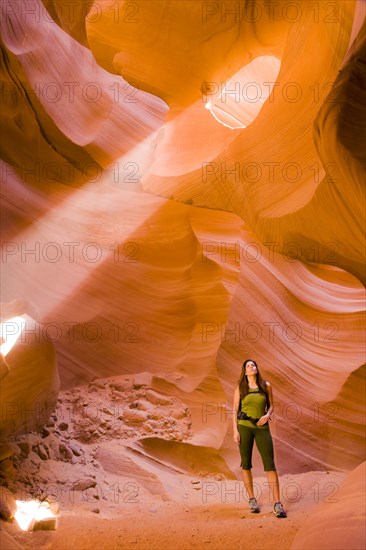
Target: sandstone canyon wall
146, 238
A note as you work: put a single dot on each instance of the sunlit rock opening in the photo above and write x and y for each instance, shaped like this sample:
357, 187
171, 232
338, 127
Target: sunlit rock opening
241, 99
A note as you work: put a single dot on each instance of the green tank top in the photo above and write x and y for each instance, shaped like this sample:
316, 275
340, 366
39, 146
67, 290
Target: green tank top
254, 405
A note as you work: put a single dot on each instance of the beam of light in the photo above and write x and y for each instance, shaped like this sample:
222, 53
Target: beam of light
30, 512
96, 203
243, 96
9, 333
41, 281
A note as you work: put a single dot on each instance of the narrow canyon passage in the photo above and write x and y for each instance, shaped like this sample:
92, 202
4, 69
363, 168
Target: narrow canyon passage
182, 188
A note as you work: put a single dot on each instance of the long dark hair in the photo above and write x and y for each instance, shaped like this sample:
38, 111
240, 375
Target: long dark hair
243, 382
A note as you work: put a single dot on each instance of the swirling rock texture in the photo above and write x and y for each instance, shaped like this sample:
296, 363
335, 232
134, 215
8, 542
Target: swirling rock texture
332, 530
30, 386
150, 240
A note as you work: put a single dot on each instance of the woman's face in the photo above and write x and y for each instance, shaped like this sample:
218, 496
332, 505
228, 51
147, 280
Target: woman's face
251, 368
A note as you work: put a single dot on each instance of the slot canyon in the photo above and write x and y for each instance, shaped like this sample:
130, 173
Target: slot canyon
183, 189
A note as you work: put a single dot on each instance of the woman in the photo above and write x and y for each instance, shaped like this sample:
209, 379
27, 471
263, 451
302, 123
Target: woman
253, 406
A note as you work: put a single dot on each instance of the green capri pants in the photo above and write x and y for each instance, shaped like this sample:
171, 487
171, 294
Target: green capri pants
263, 440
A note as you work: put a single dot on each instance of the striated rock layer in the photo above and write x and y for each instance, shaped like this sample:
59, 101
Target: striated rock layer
333, 528
30, 384
147, 237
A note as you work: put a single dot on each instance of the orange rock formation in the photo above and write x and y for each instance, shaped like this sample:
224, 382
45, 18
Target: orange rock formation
146, 238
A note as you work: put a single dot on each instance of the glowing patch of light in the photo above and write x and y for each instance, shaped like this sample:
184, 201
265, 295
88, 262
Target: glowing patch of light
83, 205
243, 96
30, 512
233, 124
9, 333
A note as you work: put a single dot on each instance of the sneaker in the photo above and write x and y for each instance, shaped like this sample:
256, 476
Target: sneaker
253, 505
279, 511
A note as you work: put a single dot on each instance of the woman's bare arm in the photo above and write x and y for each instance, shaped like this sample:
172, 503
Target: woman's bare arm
264, 419
270, 397
235, 414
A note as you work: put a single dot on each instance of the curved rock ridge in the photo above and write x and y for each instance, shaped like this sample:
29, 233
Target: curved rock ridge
183, 457
81, 117
339, 521
198, 43
30, 385
115, 460
70, 16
